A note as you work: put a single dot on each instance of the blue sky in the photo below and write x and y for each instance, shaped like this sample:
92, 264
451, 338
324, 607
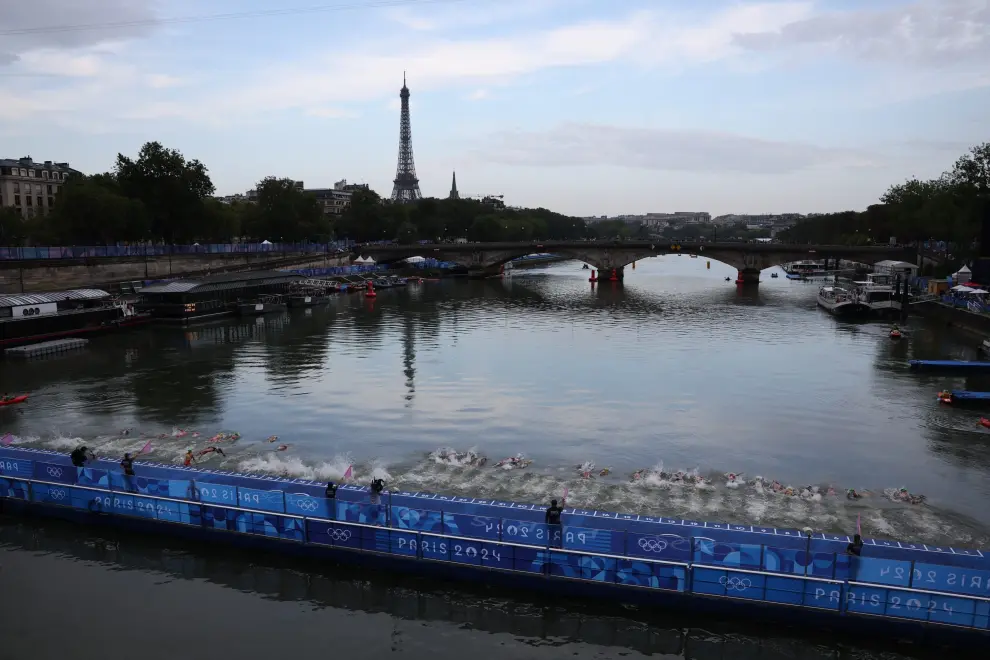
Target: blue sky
587, 107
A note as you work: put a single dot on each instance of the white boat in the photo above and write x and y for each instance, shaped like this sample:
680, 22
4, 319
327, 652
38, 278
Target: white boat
877, 291
841, 302
801, 270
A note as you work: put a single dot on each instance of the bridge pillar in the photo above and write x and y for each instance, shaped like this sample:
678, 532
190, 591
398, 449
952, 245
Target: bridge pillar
611, 274
748, 277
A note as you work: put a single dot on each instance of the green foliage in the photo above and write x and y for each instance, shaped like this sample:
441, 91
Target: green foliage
285, 213
945, 208
12, 226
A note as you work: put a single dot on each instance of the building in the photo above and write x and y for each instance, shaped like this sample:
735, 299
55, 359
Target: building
332, 200
31, 187
453, 187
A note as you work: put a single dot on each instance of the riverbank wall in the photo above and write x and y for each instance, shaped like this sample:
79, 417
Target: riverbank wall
973, 323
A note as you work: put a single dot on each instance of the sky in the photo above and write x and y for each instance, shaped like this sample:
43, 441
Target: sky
586, 107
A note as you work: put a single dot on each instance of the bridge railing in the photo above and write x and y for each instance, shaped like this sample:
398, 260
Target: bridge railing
103, 251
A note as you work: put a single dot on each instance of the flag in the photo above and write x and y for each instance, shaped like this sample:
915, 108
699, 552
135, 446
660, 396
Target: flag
146, 448
859, 525
349, 473
6, 439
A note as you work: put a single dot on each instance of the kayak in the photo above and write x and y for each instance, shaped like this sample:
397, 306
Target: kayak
17, 399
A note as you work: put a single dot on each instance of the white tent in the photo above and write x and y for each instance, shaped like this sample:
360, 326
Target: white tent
980, 291
963, 274
415, 260
962, 288
266, 242
364, 260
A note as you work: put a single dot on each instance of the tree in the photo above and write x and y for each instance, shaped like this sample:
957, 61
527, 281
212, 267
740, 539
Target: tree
12, 227
93, 210
363, 220
171, 188
286, 213
486, 228
972, 170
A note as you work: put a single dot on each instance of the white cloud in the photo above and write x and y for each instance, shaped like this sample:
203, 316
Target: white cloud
659, 149
479, 95
470, 14
162, 80
28, 26
937, 33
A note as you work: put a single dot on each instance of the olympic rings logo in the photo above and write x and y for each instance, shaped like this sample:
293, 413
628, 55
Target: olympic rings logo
308, 504
339, 534
735, 584
652, 545
56, 494
54, 472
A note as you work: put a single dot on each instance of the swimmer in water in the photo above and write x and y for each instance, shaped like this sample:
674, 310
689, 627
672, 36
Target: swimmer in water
851, 494
273, 438
605, 472
281, 447
212, 450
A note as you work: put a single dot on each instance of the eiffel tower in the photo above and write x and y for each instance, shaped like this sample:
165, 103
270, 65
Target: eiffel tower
406, 187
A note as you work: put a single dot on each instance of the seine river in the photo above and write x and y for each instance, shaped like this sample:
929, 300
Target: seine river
676, 368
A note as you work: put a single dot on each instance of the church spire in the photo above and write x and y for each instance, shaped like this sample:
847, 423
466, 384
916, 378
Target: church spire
453, 187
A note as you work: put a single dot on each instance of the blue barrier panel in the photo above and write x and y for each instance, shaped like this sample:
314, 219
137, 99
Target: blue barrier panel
464, 552
881, 571
981, 616
825, 595
156, 487
403, 543
422, 520
531, 560
334, 534
786, 560
951, 579
563, 564
527, 532
145, 507
60, 495
215, 493
730, 555
669, 547
434, 547
866, 600
52, 472
218, 517
497, 555
587, 539
92, 477
368, 514
301, 504
15, 467
266, 500
789, 591
17, 490
908, 605
719, 582
482, 527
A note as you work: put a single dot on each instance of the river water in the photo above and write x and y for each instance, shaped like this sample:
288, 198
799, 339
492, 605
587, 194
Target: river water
675, 368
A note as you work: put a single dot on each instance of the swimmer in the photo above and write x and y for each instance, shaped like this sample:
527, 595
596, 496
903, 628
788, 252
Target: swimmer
188, 459
605, 472
125, 432
281, 447
851, 494
211, 450
585, 469
272, 438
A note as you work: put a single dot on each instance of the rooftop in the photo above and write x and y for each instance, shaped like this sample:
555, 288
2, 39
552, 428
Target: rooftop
27, 161
221, 282
51, 297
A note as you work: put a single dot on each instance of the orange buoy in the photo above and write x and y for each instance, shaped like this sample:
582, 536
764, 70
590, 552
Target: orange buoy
370, 293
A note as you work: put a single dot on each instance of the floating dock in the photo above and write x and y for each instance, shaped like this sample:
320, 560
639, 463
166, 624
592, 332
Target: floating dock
966, 365
965, 396
46, 348
935, 593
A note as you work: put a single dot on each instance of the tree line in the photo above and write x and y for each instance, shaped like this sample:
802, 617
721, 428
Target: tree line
161, 197
947, 208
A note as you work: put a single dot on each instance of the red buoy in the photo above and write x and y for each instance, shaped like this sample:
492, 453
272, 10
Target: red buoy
594, 277
614, 277
370, 293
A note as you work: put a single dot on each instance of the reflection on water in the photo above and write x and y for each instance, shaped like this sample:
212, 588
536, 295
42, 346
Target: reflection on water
188, 600
675, 368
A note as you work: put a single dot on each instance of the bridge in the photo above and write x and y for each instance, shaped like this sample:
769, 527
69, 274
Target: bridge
611, 257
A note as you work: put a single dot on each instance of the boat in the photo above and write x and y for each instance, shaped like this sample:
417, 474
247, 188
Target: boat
31, 318
802, 270
877, 291
840, 302
262, 305
949, 365
808, 579
14, 399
